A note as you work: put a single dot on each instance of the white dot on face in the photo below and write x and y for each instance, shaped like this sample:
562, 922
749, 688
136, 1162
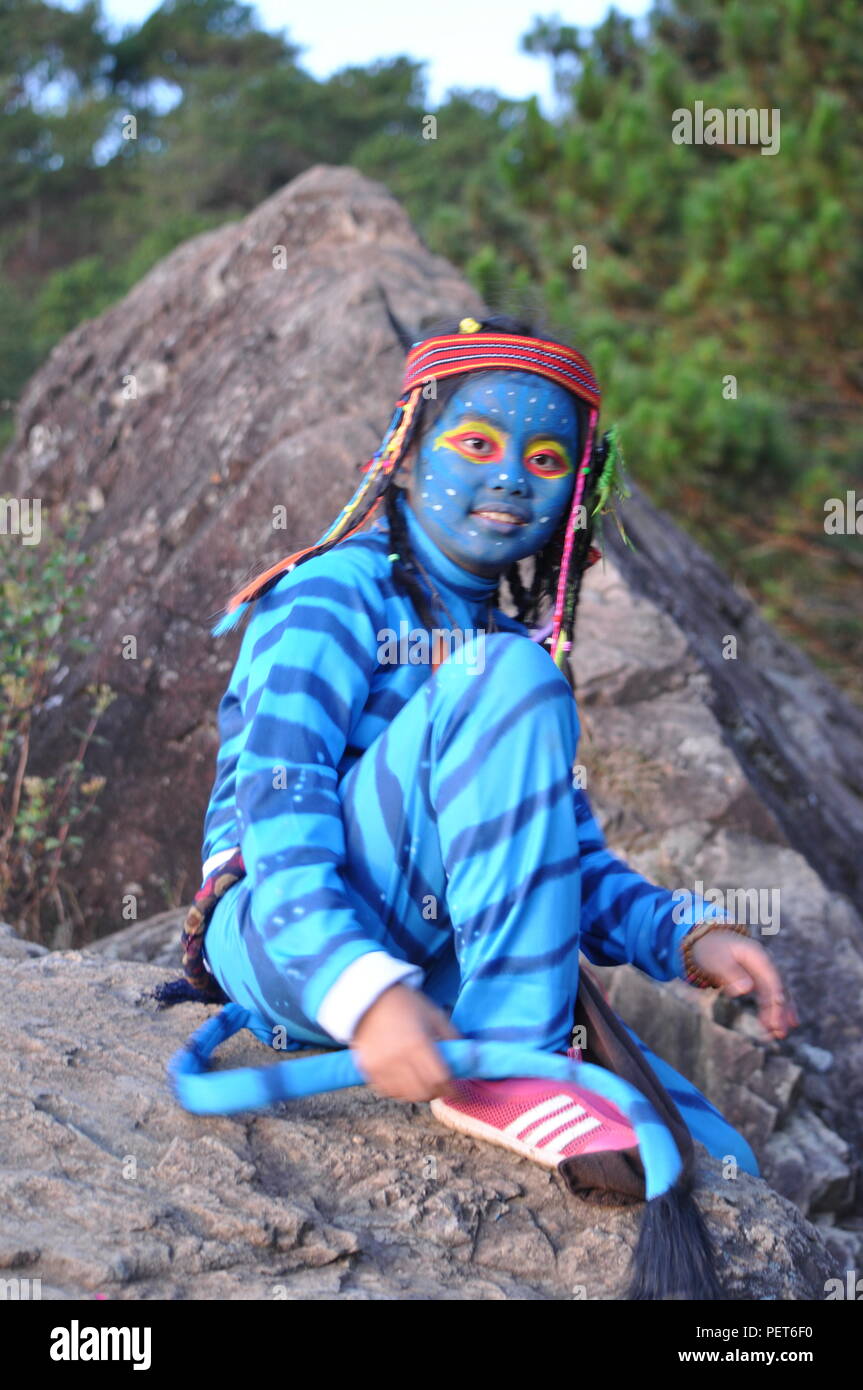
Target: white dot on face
528, 418
510, 393
468, 402
423, 494
450, 492
532, 399
436, 507
471, 533
503, 477
511, 412
545, 518
498, 542
428, 477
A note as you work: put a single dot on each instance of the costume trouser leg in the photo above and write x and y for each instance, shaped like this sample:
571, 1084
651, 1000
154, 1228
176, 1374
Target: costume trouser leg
461, 852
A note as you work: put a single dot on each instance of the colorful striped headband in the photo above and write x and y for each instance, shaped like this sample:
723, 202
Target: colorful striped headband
462, 352
469, 350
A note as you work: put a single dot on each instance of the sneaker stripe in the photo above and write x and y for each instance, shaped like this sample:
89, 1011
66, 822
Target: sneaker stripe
537, 1112
568, 1116
567, 1135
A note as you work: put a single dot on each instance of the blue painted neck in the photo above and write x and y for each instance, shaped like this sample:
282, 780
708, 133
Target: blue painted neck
447, 575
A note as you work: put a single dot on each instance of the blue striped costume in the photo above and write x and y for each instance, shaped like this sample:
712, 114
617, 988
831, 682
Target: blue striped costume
403, 825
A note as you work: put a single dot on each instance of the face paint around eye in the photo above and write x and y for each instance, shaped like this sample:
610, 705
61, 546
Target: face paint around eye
492, 492
465, 438
549, 459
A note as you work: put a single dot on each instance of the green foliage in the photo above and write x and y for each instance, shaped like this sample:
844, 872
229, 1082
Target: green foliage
19, 353
43, 590
78, 291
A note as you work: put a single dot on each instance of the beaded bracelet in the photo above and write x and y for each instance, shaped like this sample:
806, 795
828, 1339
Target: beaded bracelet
701, 979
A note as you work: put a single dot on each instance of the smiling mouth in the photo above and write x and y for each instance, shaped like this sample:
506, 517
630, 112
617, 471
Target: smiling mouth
493, 514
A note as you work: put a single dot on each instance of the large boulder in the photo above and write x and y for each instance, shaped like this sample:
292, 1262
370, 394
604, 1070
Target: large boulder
264, 366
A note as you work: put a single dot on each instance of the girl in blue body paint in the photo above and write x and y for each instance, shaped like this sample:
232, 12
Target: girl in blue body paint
418, 864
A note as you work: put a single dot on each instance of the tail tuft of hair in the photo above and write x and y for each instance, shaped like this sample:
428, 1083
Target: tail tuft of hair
674, 1257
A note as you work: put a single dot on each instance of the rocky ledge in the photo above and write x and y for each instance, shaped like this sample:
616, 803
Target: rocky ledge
109, 1189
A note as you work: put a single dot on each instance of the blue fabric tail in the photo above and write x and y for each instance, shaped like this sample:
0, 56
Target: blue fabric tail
253, 1088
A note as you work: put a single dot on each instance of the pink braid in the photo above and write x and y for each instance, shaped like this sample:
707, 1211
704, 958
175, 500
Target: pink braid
580, 485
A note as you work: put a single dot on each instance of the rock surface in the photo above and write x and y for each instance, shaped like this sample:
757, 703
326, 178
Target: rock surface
676, 804
109, 1189
798, 738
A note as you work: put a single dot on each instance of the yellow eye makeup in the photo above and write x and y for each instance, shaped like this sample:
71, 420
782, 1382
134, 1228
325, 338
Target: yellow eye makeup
560, 465
457, 439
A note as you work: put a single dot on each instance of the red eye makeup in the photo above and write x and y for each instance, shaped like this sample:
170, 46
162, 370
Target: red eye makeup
465, 437
484, 443
557, 460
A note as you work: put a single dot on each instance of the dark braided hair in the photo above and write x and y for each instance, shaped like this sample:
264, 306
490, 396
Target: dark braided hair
404, 570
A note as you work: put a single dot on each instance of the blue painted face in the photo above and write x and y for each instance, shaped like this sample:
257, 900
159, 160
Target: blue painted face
497, 469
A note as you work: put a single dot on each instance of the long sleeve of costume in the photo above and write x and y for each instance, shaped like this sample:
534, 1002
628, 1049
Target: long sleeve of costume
302, 678
625, 918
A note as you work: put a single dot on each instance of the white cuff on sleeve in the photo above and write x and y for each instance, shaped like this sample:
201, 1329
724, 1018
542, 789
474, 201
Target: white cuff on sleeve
357, 988
215, 860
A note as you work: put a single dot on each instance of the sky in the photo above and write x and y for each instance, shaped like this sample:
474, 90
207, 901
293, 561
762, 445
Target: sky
467, 43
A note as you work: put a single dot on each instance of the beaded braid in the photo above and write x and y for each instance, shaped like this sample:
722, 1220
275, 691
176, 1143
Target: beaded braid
546, 581
578, 564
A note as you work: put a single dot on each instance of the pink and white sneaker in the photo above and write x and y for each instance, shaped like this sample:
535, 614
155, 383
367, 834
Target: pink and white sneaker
545, 1120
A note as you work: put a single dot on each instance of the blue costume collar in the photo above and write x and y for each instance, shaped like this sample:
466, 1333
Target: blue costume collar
444, 571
